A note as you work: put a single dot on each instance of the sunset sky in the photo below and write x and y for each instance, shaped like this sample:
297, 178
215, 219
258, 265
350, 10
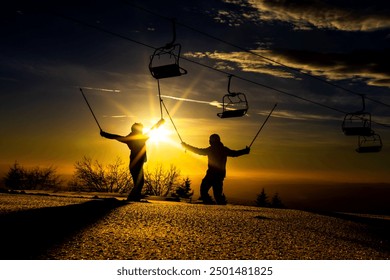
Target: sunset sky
49, 51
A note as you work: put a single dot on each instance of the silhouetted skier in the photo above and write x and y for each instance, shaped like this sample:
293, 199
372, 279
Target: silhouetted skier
136, 141
217, 155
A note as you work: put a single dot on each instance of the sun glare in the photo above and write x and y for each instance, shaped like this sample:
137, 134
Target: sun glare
159, 135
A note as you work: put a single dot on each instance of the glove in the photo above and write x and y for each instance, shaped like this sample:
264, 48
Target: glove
247, 150
160, 123
103, 133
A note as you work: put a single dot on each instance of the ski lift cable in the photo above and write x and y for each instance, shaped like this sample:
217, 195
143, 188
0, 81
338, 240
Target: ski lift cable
256, 54
104, 30
198, 63
265, 86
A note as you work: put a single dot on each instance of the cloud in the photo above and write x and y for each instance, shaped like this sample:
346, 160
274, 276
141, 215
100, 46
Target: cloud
102, 89
118, 116
291, 115
368, 66
337, 15
211, 103
283, 114
245, 61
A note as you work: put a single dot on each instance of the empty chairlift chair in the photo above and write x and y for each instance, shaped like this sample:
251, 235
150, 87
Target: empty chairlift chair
164, 62
369, 144
357, 123
234, 104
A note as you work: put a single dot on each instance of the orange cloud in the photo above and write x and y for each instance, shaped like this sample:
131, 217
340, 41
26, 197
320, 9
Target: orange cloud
322, 14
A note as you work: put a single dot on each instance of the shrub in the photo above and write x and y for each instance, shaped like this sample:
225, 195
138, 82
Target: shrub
184, 190
94, 176
19, 178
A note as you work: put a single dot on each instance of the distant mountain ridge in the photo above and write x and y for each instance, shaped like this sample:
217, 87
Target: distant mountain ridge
373, 198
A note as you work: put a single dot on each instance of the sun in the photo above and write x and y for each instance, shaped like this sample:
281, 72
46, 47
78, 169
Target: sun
160, 134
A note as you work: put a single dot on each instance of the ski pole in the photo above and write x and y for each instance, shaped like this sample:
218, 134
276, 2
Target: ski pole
263, 124
89, 106
162, 102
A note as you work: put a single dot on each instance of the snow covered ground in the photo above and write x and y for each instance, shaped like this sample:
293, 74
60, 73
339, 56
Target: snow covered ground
54, 227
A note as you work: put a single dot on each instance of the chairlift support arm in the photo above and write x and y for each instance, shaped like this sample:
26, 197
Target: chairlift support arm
173, 33
228, 89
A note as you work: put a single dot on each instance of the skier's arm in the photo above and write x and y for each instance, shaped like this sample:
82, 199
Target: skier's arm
112, 136
237, 153
195, 150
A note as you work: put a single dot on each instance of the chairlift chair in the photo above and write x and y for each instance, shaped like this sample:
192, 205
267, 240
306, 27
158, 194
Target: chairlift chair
164, 63
234, 104
357, 123
369, 144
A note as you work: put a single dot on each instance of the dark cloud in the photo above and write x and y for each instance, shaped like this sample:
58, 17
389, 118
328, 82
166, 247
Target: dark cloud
367, 65
372, 66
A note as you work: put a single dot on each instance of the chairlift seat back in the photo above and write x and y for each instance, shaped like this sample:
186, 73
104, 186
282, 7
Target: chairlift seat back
355, 124
356, 131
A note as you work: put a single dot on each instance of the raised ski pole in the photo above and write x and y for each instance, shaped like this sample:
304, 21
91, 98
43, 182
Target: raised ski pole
178, 134
89, 106
270, 113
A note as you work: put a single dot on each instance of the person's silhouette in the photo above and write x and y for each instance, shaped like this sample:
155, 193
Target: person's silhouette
136, 141
217, 155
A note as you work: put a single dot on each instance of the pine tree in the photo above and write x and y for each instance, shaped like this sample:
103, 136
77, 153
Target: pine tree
184, 190
262, 199
276, 201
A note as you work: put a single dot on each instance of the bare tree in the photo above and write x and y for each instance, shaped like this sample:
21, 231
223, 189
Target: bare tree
118, 177
89, 175
30, 179
14, 179
94, 176
161, 181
